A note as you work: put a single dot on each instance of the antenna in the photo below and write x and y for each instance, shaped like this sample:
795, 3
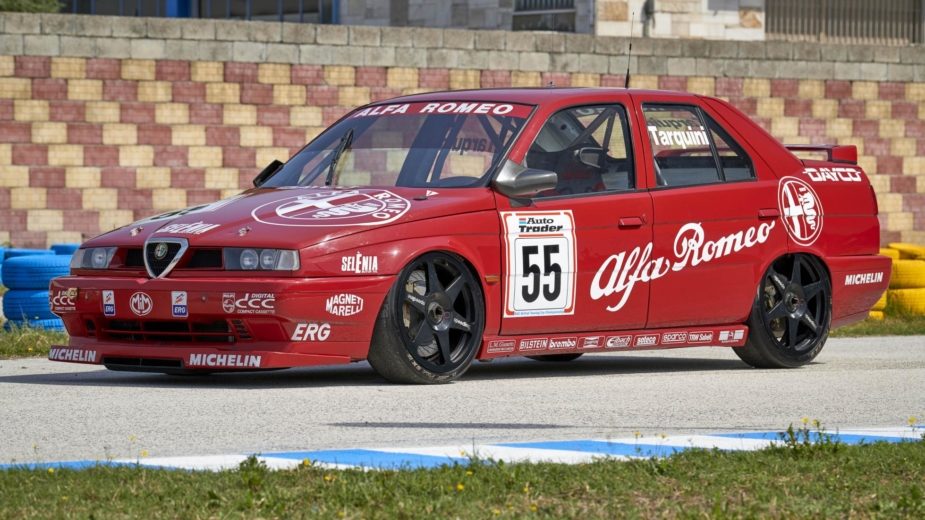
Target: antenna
629, 53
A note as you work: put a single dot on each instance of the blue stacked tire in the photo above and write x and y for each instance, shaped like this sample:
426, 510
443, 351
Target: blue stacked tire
28, 277
14, 252
64, 249
55, 324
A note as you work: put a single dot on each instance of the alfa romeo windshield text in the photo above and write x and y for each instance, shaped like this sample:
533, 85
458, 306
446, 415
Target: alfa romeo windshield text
441, 144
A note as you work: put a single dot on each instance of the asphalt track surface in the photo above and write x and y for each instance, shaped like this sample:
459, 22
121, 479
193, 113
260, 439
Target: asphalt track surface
57, 411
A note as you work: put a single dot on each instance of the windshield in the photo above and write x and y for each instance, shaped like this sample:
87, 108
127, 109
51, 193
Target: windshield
436, 144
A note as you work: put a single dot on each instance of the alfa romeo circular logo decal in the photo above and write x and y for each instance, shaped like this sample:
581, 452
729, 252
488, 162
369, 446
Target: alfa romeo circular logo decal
141, 304
800, 209
363, 207
160, 251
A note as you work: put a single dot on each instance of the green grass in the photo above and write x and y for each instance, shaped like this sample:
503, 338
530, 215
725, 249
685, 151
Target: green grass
816, 480
28, 342
889, 326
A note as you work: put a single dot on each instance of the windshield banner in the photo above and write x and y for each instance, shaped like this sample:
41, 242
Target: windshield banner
447, 107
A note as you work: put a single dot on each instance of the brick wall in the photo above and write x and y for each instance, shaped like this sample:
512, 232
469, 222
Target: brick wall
105, 120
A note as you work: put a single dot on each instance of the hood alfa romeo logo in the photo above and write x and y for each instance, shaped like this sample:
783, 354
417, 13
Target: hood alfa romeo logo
800, 209
141, 304
323, 208
160, 251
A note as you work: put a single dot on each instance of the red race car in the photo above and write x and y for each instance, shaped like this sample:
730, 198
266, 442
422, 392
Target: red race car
426, 231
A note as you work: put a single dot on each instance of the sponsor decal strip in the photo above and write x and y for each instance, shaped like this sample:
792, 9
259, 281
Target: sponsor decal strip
572, 451
729, 336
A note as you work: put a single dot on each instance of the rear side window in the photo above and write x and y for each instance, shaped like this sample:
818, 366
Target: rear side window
690, 149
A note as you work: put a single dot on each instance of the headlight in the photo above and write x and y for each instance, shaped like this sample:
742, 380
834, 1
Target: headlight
92, 258
250, 259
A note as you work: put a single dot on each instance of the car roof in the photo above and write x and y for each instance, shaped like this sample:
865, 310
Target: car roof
526, 95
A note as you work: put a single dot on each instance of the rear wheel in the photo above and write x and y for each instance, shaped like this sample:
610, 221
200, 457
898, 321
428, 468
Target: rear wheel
790, 318
557, 358
430, 325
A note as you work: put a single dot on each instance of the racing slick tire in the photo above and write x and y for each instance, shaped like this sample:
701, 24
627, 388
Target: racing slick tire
790, 319
430, 326
557, 358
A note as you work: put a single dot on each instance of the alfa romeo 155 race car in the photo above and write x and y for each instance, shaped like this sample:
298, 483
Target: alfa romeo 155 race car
423, 232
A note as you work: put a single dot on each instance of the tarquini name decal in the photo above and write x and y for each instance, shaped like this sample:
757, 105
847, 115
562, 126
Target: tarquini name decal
620, 273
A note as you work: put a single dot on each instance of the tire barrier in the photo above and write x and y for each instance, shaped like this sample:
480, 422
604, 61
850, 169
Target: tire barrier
908, 301
17, 252
908, 274
909, 251
881, 303
876, 315
906, 295
27, 276
64, 249
892, 253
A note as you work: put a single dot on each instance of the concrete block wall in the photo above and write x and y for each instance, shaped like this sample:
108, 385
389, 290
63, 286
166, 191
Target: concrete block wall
106, 120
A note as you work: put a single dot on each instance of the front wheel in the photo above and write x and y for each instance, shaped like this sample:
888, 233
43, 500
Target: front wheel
430, 325
790, 318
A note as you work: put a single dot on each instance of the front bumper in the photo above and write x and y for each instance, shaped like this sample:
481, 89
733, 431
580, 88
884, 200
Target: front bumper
216, 324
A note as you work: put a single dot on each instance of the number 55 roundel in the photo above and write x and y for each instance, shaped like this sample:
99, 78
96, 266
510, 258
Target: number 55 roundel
540, 251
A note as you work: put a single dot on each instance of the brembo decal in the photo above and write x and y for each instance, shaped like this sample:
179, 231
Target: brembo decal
800, 210
540, 249
619, 274
334, 208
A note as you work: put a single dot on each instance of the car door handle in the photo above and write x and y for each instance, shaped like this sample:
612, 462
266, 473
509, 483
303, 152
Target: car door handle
630, 222
768, 213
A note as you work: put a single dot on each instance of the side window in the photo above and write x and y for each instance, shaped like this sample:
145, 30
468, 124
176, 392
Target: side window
732, 158
680, 146
588, 147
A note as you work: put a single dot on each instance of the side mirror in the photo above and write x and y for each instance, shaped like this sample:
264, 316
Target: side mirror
516, 181
590, 156
267, 172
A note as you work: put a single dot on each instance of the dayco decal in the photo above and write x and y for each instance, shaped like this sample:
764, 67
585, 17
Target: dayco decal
620, 273
193, 228
224, 360
72, 354
501, 345
249, 303
334, 208
141, 304
63, 300
344, 305
801, 210
646, 340
359, 264
533, 344
618, 341
561, 343
109, 303
704, 336
311, 332
833, 174
674, 337
863, 278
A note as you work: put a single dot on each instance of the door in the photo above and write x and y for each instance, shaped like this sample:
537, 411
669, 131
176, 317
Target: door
572, 257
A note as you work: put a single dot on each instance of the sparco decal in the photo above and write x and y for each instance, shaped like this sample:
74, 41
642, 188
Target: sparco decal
646, 340
801, 210
311, 332
109, 303
62, 300
540, 249
863, 278
344, 305
618, 341
359, 263
192, 228
224, 360
179, 306
703, 336
249, 303
72, 354
501, 346
619, 274
674, 337
591, 342
334, 208
527, 345
562, 343
833, 174
141, 304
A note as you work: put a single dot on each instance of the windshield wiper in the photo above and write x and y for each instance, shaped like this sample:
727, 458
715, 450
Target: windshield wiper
332, 167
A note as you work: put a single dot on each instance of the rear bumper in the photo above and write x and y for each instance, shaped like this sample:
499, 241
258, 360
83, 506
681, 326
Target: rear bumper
216, 324
857, 284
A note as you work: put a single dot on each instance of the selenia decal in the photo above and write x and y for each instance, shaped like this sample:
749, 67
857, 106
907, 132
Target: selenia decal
541, 263
334, 208
801, 210
619, 274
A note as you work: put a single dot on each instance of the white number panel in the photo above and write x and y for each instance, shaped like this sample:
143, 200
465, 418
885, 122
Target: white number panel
539, 248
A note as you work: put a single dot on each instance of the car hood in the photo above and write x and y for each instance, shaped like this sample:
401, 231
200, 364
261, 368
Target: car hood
299, 217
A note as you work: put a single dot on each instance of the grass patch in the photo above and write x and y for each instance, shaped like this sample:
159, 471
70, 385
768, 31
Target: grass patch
889, 326
28, 342
795, 480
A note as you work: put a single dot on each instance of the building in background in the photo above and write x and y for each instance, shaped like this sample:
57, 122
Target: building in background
890, 22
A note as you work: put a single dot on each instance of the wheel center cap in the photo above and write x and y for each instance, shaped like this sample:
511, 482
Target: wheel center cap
435, 313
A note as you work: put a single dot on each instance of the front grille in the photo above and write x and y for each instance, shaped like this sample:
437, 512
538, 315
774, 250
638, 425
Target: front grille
204, 259
213, 331
134, 258
156, 266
